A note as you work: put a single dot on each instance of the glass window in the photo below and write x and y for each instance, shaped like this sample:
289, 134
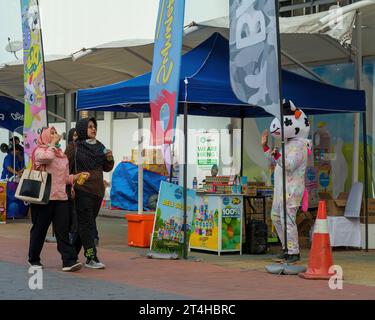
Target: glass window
51, 106
99, 115
120, 115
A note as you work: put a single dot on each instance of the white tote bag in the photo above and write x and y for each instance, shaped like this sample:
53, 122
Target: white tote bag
34, 187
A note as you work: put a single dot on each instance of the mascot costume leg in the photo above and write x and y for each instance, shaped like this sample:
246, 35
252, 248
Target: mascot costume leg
297, 149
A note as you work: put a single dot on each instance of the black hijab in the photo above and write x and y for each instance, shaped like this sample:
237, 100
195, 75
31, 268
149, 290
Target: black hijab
88, 156
70, 135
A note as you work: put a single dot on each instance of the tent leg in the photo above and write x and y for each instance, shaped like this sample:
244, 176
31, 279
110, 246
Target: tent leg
185, 176
140, 167
242, 134
171, 167
282, 127
365, 176
358, 78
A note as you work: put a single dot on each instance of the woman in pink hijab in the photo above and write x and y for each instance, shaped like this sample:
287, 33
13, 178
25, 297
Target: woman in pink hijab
48, 156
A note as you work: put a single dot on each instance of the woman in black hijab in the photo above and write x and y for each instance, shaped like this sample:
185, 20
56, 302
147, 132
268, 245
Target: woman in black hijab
91, 154
72, 138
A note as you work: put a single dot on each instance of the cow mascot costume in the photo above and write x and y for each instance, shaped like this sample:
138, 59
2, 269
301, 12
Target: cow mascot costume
297, 150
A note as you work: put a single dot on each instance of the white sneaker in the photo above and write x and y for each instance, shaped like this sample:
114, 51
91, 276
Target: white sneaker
75, 267
94, 264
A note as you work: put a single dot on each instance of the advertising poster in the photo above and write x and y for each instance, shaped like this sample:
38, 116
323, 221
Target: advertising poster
205, 230
35, 117
3, 202
208, 153
231, 223
165, 76
168, 234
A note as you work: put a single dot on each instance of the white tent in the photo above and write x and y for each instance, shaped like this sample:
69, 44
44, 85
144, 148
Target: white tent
317, 38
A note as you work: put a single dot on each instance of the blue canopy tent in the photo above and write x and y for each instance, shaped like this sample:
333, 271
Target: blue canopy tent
11, 118
205, 90
11, 114
209, 93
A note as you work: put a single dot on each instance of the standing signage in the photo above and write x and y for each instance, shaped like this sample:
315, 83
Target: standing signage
217, 223
205, 231
3, 202
165, 76
208, 152
231, 226
35, 117
168, 232
254, 64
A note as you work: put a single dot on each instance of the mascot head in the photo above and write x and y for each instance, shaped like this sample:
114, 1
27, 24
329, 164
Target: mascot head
296, 124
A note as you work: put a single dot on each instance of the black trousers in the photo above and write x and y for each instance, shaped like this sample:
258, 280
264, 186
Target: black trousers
56, 212
87, 208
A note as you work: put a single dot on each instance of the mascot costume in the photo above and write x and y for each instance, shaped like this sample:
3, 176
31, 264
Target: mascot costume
297, 150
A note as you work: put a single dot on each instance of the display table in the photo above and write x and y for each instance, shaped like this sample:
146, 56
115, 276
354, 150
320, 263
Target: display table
217, 222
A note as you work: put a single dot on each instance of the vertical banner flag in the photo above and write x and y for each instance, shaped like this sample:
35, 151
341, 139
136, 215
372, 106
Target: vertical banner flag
165, 76
35, 117
254, 65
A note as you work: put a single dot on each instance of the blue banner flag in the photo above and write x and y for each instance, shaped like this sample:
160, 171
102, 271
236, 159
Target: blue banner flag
164, 83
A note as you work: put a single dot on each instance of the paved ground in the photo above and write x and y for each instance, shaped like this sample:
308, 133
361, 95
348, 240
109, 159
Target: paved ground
130, 275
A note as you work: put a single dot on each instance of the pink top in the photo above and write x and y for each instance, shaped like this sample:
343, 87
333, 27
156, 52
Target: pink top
58, 167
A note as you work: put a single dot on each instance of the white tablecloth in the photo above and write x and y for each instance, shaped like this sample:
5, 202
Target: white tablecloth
344, 232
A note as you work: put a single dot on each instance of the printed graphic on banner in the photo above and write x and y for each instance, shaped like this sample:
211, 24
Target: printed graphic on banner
35, 116
208, 152
168, 234
205, 230
165, 76
254, 66
231, 223
3, 202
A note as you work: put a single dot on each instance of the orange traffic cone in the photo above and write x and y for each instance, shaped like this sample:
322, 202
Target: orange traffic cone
320, 257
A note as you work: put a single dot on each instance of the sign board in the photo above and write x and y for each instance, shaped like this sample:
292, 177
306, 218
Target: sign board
168, 234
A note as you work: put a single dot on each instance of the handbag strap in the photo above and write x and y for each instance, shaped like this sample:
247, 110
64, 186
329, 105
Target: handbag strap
33, 164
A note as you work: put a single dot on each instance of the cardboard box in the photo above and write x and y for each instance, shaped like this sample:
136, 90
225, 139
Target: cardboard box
150, 156
370, 206
157, 168
371, 219
249, 190
304, 242
335, 207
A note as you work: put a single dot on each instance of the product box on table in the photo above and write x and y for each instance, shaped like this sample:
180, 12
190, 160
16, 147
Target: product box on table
150, 156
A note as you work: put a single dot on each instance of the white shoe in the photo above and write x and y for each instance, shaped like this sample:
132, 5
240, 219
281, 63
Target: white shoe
75, 267
94, 264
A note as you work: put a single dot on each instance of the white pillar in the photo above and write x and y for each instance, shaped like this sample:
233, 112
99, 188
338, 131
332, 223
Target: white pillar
68, 111
358, 79
236, 144
140, 160
108, 142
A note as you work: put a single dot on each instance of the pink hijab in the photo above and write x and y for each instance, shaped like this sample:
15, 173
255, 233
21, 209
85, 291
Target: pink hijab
45, 138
